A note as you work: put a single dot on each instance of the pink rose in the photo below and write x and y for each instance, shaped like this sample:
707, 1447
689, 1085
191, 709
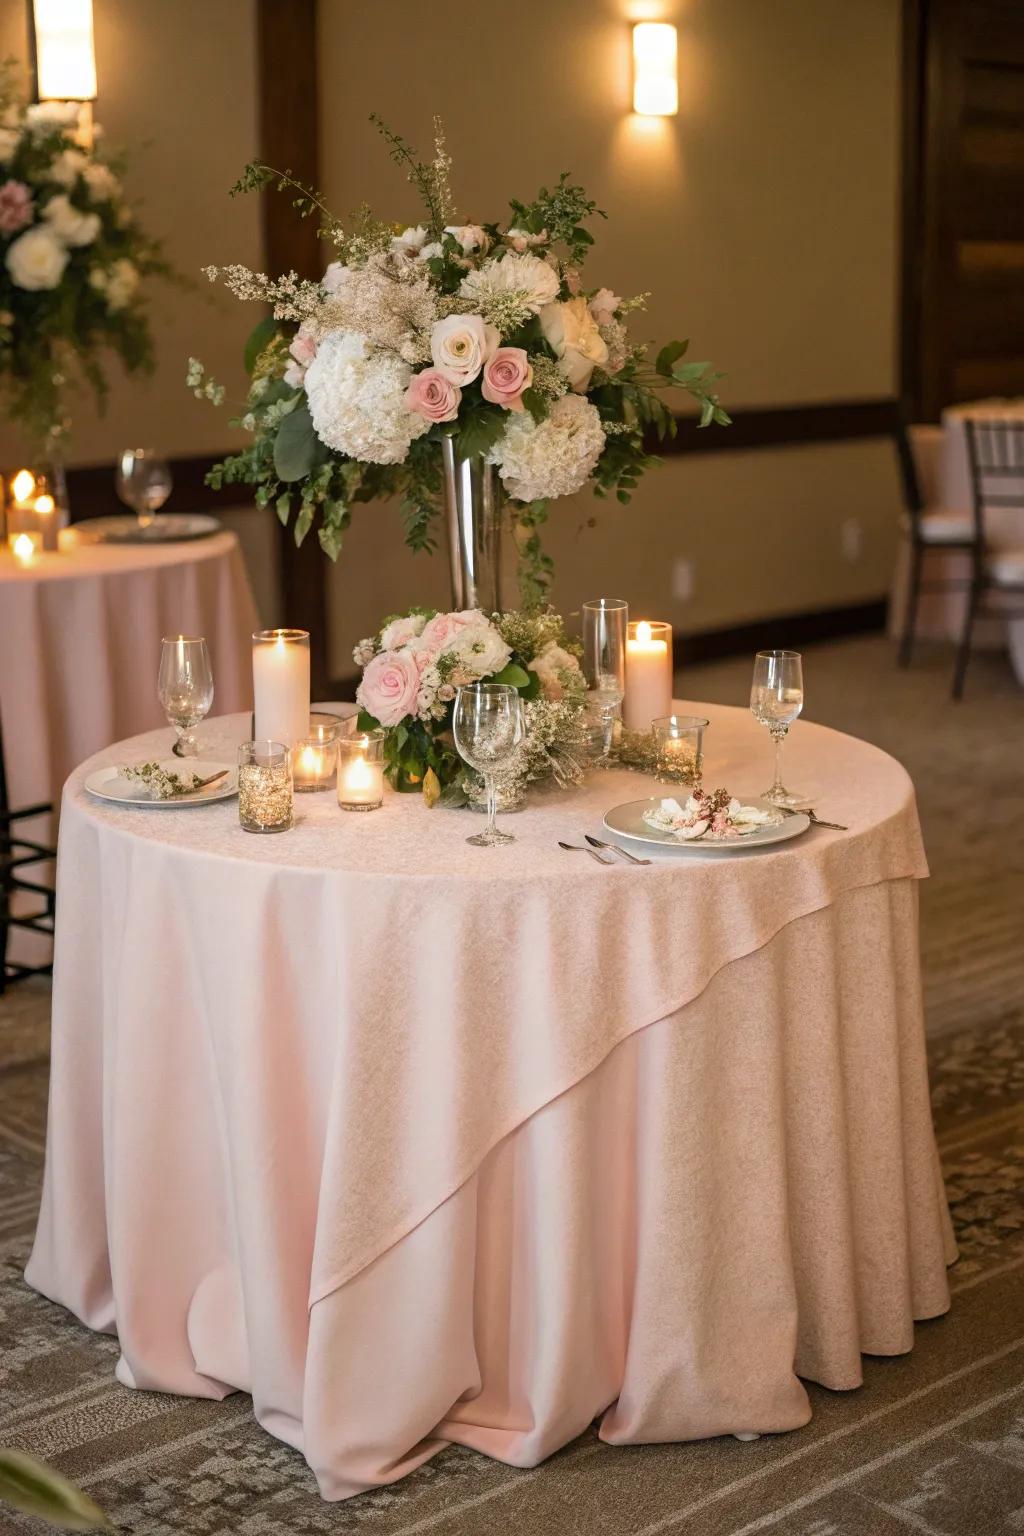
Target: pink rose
432, 395
444, 627
506, 376
302, 351
603, 306
15, 206
389, 687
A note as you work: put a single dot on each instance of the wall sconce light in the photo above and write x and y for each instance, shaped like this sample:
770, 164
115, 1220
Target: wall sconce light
655, 88
65, 59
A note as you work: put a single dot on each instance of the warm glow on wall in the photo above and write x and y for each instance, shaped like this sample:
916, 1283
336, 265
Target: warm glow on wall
65, 57
655, 90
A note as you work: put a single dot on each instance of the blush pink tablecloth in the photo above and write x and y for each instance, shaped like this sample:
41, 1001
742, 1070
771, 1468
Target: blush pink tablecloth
80, 639
419, 1143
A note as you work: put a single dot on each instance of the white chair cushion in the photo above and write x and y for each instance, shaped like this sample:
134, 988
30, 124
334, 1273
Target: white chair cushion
1006, 567
937, 527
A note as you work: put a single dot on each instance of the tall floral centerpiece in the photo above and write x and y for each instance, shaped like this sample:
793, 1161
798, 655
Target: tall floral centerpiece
461, 367
73, 260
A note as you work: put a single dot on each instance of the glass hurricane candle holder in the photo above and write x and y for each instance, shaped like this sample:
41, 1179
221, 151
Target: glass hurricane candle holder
648, 674
679, 743
315, 759
280, 685
361, 771
264, 786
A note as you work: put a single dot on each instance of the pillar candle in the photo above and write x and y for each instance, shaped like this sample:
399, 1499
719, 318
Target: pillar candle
46, 519
280, 685
648, 674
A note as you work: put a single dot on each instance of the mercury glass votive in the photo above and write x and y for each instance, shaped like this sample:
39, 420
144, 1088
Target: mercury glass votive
679, 741
264, 786
315, 759
361, 771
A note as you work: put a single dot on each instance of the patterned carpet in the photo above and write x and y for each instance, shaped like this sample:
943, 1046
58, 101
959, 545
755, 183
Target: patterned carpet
933, 1442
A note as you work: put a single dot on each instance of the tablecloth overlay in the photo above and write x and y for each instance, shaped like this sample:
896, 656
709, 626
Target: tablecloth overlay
419, 1142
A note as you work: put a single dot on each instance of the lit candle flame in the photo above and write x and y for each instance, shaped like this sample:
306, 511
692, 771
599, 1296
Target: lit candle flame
643, 632
23, 484
24, 549
45, 504
308, 760
359, 775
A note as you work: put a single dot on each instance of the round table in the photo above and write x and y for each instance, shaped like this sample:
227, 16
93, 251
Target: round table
420, 1143
80, 639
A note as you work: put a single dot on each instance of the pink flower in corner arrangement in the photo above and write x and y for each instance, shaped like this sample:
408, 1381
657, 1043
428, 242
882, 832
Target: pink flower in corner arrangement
444, 627
434, 396
389, 687
15, 206
506, 376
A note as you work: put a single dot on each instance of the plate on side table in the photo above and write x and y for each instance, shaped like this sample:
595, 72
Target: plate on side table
107, 784
166, 528
627, 821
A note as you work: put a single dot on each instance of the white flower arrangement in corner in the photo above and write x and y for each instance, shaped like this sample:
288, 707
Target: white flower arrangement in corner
485, 333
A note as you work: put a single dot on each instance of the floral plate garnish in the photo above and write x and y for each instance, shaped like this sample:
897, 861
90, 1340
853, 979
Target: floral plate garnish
715, 815
161, 784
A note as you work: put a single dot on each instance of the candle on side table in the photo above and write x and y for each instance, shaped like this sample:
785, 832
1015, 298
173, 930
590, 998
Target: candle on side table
46, 517
25, 547
361, 771
280, 684
648, 674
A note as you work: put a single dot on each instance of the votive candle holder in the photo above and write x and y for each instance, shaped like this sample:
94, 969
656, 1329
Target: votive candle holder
315, 758
361, 771
264, 786
679, 742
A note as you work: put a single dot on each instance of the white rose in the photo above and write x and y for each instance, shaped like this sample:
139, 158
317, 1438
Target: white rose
69, 223
122, 282
410, 242
549, 665
460, 345
400, 631
68, 166
101, 181
471, 238
571, 332
37, 259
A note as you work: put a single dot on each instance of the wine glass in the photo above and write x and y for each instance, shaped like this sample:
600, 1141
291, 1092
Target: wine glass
185, 688
776, 699
143, 481
488, 726
604, 664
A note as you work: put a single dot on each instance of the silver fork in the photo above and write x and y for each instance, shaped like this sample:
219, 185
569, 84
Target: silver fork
575, 848
815, 820
614, 848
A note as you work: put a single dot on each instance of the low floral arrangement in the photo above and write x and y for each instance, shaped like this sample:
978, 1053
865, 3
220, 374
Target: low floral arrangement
72, 259
714, 815
485, 333
413, 667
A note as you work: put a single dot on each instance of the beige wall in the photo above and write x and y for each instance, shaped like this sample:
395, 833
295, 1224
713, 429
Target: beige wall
764, 219
177, 89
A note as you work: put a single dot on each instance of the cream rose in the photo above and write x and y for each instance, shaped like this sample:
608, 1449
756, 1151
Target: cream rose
572, 333
460, 345
69, 223
37, 259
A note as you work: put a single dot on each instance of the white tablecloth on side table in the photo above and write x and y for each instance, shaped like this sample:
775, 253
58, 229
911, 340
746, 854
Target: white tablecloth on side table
80, 639
420, 1143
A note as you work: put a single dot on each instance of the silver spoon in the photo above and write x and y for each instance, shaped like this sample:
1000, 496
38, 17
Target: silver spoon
575, 848
614, 848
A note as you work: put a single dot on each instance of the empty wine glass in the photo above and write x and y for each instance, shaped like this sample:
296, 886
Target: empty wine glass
185, 688
488, 726
604, 664
776, 699
143, 481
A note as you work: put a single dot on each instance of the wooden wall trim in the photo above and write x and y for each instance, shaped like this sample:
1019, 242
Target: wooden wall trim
787, 426
286, 46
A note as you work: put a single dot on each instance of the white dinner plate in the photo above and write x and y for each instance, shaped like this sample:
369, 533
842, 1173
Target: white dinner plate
106, 784
166, 528
627, 821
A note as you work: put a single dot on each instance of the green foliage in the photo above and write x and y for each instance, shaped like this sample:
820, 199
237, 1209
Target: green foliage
297, 449
36, 1489
260, 337
479, 430
562, 211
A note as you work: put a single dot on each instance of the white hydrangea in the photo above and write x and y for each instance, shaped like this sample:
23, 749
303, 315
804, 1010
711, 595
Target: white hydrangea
554, 457
356, 400
523, 275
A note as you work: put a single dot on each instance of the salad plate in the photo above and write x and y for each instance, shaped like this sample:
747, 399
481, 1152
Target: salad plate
627, 821
108, 784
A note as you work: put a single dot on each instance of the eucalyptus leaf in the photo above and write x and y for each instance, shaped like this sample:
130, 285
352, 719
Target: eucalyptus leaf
37, 1489
303, 523
296, 445
669, 356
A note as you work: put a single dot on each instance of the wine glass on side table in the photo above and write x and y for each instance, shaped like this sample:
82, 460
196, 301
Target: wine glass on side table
143, 481
776, 699
185, 688
605, 621
488, 725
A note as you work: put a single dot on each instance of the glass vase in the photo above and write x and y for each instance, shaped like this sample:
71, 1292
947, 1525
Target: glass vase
474, 504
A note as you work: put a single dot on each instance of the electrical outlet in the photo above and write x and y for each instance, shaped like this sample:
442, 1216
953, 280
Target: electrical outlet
682, 580
851, 539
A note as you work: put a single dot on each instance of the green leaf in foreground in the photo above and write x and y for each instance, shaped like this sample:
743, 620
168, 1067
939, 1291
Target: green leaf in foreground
36, 1489
296, 445
513, 674
260, 337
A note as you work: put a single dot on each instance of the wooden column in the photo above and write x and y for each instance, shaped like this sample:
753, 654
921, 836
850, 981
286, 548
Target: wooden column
289, 141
